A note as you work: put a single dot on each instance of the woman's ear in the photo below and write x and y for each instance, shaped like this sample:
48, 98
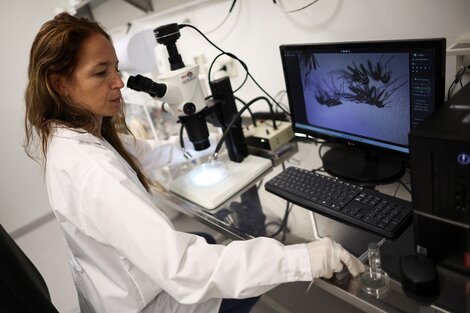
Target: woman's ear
59, 85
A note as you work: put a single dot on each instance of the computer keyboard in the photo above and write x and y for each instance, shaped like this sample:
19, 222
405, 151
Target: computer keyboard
366, 208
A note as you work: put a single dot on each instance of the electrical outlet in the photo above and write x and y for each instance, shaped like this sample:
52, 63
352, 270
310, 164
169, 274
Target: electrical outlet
225, 64
461, 49
230, 67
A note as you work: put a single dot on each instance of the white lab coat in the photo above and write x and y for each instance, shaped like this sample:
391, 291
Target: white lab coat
125, 254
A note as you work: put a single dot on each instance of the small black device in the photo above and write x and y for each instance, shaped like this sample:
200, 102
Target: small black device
361, 207
364, 96
225, 110
440, 180
168, 35
419, 278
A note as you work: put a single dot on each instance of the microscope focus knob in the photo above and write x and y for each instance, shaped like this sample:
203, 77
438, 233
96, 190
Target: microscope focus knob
189, 108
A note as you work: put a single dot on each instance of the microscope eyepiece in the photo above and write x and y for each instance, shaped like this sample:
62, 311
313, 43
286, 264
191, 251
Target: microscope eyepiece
142, 83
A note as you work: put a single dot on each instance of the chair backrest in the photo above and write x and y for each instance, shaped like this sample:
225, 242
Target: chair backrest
22, 288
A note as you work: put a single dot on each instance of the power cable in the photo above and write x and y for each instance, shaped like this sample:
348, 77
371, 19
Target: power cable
212, 64
457, 80
405, 186
224, 20
253, 120
283, 9
233, 121
235, 58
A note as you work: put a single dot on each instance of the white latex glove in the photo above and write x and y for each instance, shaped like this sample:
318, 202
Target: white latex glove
327, 257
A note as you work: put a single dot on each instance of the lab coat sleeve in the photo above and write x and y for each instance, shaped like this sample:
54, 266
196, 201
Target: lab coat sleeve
184, 265
154, 154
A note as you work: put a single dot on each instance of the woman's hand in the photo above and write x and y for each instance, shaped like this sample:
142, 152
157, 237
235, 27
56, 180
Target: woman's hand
328, 257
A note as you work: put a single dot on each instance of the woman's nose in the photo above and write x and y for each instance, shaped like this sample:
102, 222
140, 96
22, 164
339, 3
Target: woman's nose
117, 81
121, 82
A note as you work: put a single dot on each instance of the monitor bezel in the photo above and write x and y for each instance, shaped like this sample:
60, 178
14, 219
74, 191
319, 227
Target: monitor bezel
439, 44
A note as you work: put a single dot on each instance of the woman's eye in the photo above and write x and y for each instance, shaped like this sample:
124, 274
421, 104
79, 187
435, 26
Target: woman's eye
101, 73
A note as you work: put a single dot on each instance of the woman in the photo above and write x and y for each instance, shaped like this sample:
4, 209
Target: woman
124, 253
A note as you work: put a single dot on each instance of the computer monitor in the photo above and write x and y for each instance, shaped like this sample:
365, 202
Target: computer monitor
365, 97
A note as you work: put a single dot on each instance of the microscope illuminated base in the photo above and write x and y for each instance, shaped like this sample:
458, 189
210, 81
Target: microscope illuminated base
210, 197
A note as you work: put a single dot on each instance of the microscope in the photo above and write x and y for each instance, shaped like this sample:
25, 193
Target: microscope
181, 92
212, 183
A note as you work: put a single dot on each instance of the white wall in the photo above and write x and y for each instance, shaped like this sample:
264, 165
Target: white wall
257, 28
22, 194
254, 32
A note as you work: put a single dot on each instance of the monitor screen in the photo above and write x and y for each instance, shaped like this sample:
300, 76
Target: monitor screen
366, 95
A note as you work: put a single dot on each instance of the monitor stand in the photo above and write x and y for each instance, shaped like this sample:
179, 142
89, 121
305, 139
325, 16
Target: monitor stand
362, 166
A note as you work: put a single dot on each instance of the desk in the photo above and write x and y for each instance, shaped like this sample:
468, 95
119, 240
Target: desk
255, 212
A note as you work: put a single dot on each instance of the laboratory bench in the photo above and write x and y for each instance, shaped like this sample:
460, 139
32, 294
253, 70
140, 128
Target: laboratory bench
254, 212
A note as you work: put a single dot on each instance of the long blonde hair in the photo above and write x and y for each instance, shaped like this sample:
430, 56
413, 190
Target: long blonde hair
54, 53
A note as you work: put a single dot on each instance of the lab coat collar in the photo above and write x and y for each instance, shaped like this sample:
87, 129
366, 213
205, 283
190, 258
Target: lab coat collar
78, 134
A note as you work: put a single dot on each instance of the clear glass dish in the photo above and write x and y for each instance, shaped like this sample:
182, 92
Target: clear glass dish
375, 283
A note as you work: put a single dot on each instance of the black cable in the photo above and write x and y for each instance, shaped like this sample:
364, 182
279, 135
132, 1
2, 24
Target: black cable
253, 120
231, 7
128, 28
319, 151
243, 82
450, 89
210, 67
283, 9
212, 64
278, 105
320, 169
270, 110
283, 224
266, 93
405, 186
224, 19
457, 80
236, 58
271, 223
201, 33
315, 141
259, 184
181, 137
396, 190
281, 94
234, 119
284, 220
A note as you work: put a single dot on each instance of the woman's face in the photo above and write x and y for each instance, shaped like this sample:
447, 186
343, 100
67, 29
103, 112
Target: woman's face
95, 84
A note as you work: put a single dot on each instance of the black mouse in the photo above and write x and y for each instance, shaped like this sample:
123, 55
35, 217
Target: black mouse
419, 278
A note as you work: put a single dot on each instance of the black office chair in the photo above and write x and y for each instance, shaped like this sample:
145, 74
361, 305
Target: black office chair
22, 288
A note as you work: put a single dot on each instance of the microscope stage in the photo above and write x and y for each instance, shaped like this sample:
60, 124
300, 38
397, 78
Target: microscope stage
211, 196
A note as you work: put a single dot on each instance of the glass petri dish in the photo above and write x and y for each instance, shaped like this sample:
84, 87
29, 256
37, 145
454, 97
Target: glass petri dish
375, 283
